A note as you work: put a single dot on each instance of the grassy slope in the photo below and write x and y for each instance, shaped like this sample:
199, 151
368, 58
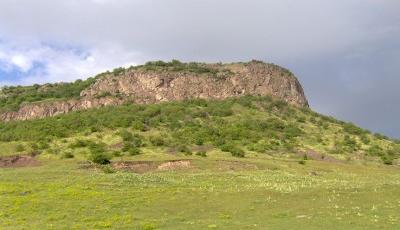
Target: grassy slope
266, 189
246, 124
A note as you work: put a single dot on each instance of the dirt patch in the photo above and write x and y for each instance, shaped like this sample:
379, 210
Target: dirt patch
146, 166
171, 165
314, 155
135, 166
18, 161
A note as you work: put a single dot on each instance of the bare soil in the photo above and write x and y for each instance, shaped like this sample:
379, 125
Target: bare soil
18, 161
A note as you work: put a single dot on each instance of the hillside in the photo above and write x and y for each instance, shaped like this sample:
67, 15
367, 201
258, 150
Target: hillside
153, 82
100, 157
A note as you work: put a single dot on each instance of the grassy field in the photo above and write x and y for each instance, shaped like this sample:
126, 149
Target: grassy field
216, 192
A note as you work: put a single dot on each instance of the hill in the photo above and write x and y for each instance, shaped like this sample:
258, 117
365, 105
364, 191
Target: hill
153, 82
226, 161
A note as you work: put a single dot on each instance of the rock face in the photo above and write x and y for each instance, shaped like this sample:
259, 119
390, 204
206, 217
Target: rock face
48, 109
143, 86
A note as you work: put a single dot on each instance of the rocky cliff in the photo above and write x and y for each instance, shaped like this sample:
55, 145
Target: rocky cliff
158, 82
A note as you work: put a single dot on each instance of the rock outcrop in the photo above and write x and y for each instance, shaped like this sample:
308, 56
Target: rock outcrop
48, 109
143, 86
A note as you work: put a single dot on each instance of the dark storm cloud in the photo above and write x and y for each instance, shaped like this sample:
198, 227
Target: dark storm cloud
345, 52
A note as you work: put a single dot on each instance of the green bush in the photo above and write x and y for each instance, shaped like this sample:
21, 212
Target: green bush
68, 155
387, 160
201, 154
157, 140
98, 154
133, 151
20, 148
184, 149
235, 151
302, 162
107, 169
80, 143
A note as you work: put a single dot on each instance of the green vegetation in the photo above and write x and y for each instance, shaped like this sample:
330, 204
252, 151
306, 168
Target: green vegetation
237, 126
11, 97
177, 66
241, 163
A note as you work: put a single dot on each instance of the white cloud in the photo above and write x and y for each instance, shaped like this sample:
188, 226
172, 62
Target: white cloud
21, 62
60, 64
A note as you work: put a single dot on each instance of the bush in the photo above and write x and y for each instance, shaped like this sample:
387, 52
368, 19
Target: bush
133, 151
68, 155
350, 128
125, 135
184, 149
381, 137
235, 151
98, 154
20, 148
365, 139
108, 169
157, 140
80, 143
387, 160
100, 158
201, 154
132, 142
302, 162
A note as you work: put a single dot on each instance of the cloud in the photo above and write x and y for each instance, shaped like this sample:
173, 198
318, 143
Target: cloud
40, 63
345, 52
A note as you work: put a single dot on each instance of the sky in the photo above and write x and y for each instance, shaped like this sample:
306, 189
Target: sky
346, 53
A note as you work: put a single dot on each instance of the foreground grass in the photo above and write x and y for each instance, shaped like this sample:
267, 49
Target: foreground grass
219, 192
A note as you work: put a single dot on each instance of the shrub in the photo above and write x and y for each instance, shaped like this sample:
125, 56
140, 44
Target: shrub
260, 147
365, 139
235, 151
157, 140
107, 169
375, 150
100, 158
201, 154
125, 135
387, 160
381, 137
98, 154
133, 151
350, 128
131, 142
20, 148
184, 149
80, 143
68, 155
302, 162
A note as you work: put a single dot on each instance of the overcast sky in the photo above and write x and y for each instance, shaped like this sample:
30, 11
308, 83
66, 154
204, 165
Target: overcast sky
346, 53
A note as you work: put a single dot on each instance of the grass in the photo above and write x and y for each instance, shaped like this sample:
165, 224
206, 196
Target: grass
219, 192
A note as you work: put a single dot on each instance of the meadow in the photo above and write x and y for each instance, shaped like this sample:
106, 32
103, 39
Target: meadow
217, 192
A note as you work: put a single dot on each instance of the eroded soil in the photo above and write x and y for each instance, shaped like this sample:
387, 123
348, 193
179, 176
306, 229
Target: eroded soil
18, 161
